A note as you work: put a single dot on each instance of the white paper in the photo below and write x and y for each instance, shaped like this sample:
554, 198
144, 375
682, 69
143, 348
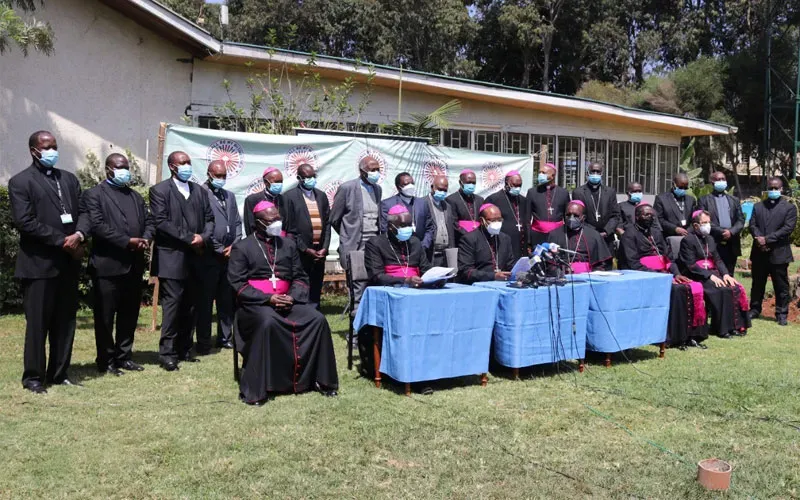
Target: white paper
435, 274
523, 265
605, 273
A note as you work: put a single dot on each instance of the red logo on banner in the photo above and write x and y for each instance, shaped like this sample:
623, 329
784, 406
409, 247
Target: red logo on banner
491, 176
230, 153
297, 156
257, 185
432, 167
330, 191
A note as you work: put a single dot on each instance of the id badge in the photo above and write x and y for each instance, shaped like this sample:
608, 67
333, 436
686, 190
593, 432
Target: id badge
413, 228
683, 222
66, 218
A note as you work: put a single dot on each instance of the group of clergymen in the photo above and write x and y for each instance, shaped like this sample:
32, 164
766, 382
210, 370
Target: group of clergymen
273, 276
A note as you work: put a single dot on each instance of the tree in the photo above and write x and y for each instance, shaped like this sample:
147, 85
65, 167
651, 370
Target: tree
23, 33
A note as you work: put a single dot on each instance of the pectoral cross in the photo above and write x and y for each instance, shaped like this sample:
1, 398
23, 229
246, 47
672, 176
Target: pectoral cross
519, 226
550, 209
705, 265
274, 280
597, 215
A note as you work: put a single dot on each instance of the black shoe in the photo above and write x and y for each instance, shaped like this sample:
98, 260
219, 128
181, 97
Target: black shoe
112, 370
170, 366
189, 358
256, 403
782, 321
753, 314
702, 346
131, 366
329, 393
226, 345
68, 382
201, 351
36, 388
426, 391
724, 335
737, 333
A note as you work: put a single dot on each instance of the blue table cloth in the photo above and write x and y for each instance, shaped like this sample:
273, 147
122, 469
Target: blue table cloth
431, 334
533, 326
626, 311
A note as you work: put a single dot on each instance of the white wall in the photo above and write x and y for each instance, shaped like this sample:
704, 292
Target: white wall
107, 87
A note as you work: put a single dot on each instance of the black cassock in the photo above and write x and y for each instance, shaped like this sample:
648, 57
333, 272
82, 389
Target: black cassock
466, 208
602, 211
685, 321
389, 262
480, 254
590, 248
699, 260
516, 220
283, 352
547, 205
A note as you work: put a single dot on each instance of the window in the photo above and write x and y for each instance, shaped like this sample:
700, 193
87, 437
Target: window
596, 151
547, 140
456, 139
618, 170
569, 152
644, 166
667, 167
518, 144
487, 141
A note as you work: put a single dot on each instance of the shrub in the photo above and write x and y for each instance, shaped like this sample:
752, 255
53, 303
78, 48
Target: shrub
10, 289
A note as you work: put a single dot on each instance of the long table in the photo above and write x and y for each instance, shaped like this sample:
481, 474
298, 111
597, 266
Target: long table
539, 325
626, 310
423, 334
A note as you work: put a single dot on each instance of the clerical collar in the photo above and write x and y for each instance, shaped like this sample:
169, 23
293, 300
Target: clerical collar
214, 189
43, 169
644, 230
718, 193
679, 197
545, 187
465, 195
593, 186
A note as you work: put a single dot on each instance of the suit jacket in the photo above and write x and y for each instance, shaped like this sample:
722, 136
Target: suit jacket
227, 224
776, 225
448, 222
346, 216
250, 203
708, 204
176, 221
36, 212
670, 215
111, 232
693, 248
609, 209
421, 218
297, 221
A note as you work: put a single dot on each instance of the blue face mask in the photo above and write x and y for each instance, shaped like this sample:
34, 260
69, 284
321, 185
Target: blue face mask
636, 197
404, 233
49, 157
542, 179
515, 191
720, 186
218, 183
184, 172
121, 177
773, 195
374, 176
276, 188
309, 182
468, 188
680, 193
595, 178
439, 195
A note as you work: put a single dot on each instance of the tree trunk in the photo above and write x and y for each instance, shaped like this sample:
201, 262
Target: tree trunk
526, 71
547, 42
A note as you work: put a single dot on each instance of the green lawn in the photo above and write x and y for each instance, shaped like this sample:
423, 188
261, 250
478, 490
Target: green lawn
633, 430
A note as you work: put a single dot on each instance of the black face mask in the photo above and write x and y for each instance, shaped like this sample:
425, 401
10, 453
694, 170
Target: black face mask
574, 223
645, 223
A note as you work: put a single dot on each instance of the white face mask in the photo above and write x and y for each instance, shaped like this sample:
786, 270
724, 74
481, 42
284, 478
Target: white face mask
273, 229
408, 190
705, 229
494, 227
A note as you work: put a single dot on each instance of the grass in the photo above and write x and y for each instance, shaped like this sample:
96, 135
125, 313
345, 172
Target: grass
636, 429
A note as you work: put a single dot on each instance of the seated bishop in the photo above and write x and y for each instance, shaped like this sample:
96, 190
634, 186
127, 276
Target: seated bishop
726, 300
286, 343
397, 257
645, 249
485, 254
588, 250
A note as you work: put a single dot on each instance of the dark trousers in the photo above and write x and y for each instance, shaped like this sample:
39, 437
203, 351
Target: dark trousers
439, 259
50, 306
178, 308
315, 269
779, 273
116, 297
728, 257
216, 287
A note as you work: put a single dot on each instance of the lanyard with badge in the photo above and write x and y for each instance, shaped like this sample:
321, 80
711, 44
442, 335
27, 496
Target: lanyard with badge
66, 217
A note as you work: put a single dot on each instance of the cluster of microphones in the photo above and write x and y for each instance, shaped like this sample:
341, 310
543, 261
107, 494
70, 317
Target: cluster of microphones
544, 267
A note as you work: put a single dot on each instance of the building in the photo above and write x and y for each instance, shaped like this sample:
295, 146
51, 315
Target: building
123, 66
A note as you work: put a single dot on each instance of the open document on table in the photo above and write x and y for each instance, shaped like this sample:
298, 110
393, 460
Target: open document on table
435, 274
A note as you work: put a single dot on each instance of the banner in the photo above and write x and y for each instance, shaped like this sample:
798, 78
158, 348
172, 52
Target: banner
336, 160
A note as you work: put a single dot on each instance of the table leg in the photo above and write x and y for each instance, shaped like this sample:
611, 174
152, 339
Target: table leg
580, 366
484, 380
662, 350
408, 389
608, 359
376, 353
515, 373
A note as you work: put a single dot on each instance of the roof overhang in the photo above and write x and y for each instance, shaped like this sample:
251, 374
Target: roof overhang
264, 57
169, 24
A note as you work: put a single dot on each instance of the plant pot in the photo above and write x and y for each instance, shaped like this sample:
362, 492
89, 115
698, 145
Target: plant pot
714, 474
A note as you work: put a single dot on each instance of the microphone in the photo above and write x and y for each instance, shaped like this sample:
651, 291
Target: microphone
553, 247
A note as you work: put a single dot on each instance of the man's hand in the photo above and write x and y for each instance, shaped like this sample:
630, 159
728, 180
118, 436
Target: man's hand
76, 253
681, 231
72, 242
137, 244
227, 252
620, 231
197, 241
321, 254
728, 279
281, 302
502, 275
726, 235
312, 253
681, 280
143, 244
414, 281
717, 282
762, 241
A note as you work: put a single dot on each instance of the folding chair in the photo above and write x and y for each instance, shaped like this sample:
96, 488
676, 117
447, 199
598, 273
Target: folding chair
675, 245
451, 256
356, 271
